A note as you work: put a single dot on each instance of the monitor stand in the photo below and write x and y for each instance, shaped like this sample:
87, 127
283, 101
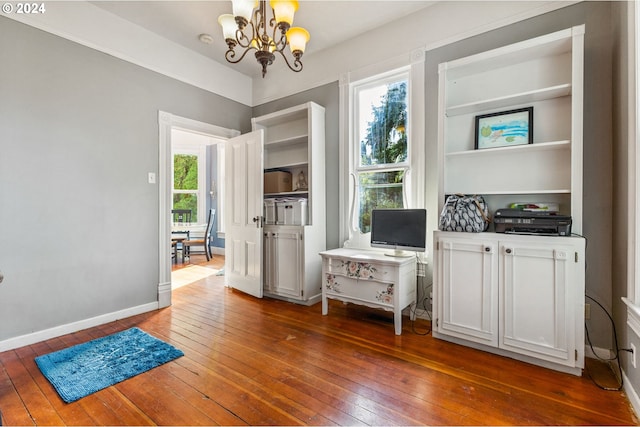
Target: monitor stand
400, 254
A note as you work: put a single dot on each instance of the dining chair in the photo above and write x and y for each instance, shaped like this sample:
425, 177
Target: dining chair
205, 241
181, 215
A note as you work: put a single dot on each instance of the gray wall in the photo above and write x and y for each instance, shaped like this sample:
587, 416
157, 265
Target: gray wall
597, 197
78, 135
328, 96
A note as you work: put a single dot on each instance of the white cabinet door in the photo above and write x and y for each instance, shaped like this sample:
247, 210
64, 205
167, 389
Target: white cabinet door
288, 263
467, 289
538, 307
283, 266
243, 215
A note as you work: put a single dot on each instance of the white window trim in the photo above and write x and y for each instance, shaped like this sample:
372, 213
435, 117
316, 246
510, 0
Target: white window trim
632, 300
220, 190
415, 176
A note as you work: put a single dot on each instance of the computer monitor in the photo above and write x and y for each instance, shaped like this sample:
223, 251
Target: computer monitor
403, 230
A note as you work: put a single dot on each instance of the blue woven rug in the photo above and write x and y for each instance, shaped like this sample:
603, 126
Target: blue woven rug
78, 371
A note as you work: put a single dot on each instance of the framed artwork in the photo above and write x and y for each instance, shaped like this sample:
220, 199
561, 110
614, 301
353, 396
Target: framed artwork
506, 128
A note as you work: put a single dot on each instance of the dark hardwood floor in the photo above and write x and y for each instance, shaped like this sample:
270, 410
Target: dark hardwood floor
268, 362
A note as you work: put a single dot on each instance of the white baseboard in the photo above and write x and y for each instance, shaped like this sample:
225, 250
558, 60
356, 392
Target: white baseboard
598, 353
631, 393
69, 328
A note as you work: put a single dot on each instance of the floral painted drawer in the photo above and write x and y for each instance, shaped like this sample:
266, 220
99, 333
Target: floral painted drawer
360, 269
364, 290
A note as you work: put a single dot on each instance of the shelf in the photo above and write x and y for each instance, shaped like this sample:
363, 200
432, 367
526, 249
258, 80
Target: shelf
528, 148
286, 142
547, 45
291, 165
523, 192
288, 193
283, 117
510, 100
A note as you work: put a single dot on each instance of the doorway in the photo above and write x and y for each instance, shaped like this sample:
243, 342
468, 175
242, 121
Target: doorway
170, 128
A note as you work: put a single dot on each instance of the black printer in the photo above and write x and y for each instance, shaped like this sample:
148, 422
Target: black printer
544, 223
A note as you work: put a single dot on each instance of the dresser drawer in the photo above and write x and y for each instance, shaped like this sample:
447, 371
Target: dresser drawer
360, 269
362, 290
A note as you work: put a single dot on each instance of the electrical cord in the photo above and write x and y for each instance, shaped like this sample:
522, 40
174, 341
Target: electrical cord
616, 357
423, 303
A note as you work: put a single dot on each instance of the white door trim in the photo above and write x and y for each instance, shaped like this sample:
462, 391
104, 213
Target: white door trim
166, 122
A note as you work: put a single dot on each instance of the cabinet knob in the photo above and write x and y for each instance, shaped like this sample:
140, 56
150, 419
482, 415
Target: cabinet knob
487, 248
508, 250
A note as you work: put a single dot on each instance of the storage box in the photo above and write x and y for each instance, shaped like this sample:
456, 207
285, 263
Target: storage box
270, 211
277, 182
294, 211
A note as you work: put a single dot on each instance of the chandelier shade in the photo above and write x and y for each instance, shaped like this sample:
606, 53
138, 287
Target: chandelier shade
298, 38
284, 10
250, 29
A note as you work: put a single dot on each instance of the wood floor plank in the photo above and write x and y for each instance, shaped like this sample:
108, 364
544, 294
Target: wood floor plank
14, 410
252, 361
71, 415
40, 409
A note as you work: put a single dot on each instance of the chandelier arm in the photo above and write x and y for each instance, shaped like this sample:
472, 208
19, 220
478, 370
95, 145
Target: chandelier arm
281, 43
231, 54
242, 39
297, 64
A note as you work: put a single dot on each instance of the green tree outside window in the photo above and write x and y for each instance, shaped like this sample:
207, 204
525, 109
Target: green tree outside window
384, 146
185, 183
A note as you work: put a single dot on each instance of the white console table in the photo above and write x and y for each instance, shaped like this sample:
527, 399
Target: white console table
370, 278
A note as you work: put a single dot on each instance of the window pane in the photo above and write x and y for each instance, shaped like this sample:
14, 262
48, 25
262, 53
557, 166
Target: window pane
379, 190
382, 124
185, 172
186, 201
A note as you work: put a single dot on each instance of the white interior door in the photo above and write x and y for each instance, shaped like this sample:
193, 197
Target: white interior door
243, 210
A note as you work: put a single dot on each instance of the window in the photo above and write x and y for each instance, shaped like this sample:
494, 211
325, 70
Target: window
380, 144
185, 183
188, 190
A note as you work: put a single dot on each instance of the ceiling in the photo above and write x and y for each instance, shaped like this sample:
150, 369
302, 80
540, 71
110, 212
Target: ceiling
329, 22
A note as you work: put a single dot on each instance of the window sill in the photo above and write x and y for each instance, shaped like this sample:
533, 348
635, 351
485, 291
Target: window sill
633, 315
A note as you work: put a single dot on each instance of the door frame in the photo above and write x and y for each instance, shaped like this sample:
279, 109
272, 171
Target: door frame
166, 122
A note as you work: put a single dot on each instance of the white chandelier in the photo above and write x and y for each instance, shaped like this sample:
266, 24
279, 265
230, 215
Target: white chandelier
248, 28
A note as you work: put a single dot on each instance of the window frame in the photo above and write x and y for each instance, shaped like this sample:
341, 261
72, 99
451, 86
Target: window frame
416, 195
355, 168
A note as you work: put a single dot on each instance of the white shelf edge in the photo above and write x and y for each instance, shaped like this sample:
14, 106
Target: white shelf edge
514, 192
539, 146
286, 165
514, 99
282, 117
288, 193
284, 142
